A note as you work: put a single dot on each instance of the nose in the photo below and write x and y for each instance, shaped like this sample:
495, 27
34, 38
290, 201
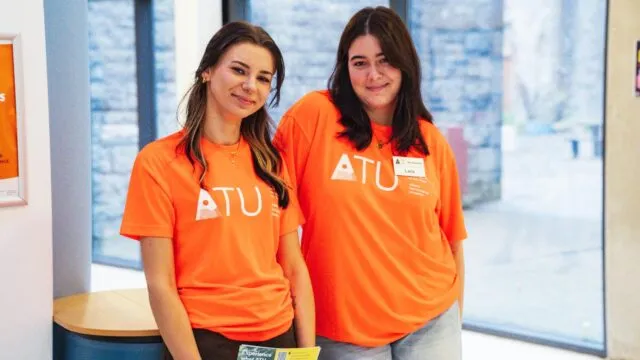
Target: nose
249, 85
374, 73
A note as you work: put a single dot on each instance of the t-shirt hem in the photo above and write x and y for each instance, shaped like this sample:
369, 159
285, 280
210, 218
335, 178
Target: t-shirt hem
290, 229
459, 236
136, 232
382, 341
252, 336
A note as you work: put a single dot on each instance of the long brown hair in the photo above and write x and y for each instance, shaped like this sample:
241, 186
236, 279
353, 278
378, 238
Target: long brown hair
386, 26
257, 128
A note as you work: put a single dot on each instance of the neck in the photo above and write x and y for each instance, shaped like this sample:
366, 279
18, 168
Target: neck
382, 117
221, 130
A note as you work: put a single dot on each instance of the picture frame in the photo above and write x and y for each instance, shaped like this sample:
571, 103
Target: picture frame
13, 170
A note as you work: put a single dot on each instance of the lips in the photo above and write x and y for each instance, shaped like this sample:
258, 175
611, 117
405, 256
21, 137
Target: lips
377, 88
243, 100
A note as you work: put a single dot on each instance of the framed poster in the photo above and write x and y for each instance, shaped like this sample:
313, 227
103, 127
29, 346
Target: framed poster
12, 155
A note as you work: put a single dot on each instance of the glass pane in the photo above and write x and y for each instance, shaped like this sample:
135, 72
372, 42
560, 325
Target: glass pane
165, 57
517, 87
307, 32
114, 116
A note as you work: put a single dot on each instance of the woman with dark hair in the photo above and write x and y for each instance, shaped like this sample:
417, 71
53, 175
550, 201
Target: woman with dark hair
378, 185
211, 207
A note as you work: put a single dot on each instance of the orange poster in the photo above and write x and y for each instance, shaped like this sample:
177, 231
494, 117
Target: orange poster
8, 118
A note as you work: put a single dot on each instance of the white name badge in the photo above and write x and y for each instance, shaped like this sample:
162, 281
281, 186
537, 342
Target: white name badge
408, 166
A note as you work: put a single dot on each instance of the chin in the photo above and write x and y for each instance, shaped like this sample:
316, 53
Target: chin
243, 113
379, 105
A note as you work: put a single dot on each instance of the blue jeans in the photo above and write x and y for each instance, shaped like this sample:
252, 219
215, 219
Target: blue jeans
439, 339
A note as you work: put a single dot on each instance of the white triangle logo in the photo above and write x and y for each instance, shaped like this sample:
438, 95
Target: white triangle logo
344, 170
207, 208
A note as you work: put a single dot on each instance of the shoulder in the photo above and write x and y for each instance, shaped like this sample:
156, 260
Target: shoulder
437, 142
308, 113
316, 98
432, 134
160, 152
311, 106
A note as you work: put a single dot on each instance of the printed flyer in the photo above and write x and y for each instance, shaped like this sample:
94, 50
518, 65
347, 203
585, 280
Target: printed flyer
248, 352
8, 124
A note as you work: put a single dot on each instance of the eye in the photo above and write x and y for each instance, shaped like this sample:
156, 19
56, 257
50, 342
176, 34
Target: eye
264, 80
238, 70
384, 60
358, 63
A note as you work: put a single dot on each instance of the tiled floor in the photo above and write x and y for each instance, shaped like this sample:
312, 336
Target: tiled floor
475, 346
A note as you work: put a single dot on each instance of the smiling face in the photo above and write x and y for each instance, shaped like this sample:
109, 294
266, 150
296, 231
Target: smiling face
240, 83
374, 80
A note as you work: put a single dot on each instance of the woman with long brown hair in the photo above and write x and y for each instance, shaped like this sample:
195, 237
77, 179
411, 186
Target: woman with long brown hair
212, 207
378, 185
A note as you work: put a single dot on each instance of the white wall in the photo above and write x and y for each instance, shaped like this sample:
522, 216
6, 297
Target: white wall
25, 232
622, 171
70, 133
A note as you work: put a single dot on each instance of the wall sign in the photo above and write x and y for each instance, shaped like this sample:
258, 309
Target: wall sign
12, 184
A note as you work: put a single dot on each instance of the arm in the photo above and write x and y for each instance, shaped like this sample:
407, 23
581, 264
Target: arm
458, 254
295, 269
168, 311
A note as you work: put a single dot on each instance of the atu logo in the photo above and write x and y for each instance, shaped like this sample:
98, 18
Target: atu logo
2, 97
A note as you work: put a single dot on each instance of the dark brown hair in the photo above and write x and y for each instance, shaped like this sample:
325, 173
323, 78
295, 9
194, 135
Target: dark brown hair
398, 48
257, 128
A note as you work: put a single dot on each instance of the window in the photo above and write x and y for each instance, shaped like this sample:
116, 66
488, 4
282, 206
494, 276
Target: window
131, 104
518, 89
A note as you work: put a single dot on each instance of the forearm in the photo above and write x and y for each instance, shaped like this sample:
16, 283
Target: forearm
304, 307
173, 323
458, 255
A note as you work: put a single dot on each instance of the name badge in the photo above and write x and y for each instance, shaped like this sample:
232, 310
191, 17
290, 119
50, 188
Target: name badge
408, 166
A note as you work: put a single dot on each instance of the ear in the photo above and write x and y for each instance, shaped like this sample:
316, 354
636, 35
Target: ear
206, 75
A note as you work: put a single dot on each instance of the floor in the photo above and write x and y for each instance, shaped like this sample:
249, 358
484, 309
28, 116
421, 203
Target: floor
475, 346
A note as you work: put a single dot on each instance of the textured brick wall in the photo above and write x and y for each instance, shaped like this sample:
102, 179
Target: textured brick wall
114, 109
460, 46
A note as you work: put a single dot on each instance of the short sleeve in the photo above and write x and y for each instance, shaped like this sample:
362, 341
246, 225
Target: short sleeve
292, 216
451, 214
296, 130
149, 210
293, 145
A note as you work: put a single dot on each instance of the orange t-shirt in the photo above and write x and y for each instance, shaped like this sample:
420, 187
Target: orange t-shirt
376, 244
225, 239
8, 131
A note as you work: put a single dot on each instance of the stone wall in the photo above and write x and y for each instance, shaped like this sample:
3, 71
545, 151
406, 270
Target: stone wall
114, 115
460, 46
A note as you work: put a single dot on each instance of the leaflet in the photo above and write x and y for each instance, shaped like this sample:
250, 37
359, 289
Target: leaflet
249, 352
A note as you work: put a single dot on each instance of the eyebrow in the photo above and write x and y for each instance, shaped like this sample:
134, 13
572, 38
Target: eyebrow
248, 67
361, 57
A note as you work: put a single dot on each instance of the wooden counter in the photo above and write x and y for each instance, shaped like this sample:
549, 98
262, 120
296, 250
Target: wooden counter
115, 313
